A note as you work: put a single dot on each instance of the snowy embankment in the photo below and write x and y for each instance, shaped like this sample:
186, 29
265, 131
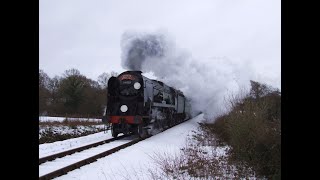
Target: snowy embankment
60, 119
136, 161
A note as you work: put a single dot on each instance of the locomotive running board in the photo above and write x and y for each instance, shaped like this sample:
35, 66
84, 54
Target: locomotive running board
162, 105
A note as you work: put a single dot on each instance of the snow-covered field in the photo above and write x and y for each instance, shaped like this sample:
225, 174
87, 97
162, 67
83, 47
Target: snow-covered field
133, 162
60, 119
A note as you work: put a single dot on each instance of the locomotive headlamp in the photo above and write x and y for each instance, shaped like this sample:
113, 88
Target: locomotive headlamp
137, 85
124, 108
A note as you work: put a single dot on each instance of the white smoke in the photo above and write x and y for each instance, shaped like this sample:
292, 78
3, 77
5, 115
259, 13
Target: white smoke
206, 84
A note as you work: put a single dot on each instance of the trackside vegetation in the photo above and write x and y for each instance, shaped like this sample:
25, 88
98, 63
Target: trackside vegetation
253, 130
249, 135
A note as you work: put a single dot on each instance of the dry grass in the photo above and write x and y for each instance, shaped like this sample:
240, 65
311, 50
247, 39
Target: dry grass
201, 158
70, 123
51, 131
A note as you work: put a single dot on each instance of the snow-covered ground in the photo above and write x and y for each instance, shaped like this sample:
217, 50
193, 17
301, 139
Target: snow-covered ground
59, 146
133, 162
60, 119
51, 166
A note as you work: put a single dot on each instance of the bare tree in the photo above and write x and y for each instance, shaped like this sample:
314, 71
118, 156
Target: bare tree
258, 89
72, 93
72, 89
43, 91
103, 80
72, 72
43, 79
113, 73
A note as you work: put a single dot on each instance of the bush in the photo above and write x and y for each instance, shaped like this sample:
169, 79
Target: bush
250, 136
201, 158
253, 129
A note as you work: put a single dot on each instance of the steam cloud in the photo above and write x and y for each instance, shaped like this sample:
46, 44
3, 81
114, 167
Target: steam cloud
136, 49
206, 84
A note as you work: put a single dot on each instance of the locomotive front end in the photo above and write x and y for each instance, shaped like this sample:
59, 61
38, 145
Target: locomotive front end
125, 102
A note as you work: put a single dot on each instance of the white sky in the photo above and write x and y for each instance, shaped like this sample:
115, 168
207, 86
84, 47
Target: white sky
86, 34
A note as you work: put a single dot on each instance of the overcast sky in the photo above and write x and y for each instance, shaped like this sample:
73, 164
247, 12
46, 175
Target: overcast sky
86, 34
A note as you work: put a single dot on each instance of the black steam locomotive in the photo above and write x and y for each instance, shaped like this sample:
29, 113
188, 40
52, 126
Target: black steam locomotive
143, 106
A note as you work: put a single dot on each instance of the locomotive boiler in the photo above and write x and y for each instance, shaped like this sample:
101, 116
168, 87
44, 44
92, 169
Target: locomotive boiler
139, 105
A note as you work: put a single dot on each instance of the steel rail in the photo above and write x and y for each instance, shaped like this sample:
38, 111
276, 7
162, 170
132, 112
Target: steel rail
94, 158
89, 160
72, 151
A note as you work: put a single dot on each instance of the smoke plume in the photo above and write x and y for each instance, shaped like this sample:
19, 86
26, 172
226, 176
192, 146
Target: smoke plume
205, 84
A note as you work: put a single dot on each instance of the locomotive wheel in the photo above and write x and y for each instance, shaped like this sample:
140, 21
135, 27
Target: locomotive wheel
142, 133
113, 132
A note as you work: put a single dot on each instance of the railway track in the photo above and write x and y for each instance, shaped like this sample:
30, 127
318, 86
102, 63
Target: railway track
57, 159
80, 160
79, 149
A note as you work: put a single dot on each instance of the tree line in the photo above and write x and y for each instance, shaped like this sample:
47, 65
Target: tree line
72, 94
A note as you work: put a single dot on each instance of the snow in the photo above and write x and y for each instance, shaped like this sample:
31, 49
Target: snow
59, 146
50, 166
136, 161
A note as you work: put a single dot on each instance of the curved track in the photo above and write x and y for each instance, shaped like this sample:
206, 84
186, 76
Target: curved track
83, 161
81, 156
82, 148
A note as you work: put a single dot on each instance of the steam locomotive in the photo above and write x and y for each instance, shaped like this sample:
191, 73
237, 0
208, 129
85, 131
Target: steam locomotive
139, 105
